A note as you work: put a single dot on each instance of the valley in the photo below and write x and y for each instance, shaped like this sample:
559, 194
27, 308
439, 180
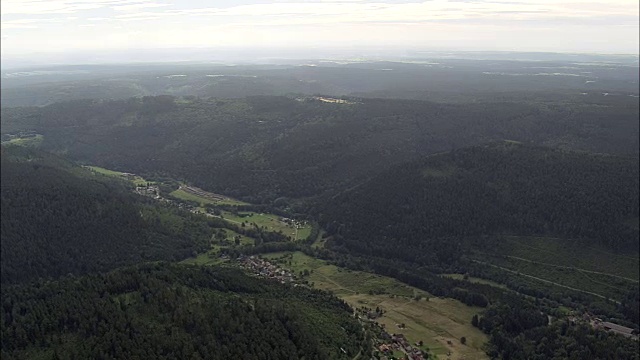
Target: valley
451, 209
543, 264
439, 323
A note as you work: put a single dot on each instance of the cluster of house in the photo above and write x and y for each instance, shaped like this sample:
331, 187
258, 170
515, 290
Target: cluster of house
149, 190
397, 342
390, 343
154, 192
614, 328
597, 323
264, 268
324, 99
298, 224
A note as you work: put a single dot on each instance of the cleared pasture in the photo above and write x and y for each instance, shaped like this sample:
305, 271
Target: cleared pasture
433, 320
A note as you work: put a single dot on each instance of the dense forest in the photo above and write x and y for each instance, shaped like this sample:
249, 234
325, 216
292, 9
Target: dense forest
519, 331
264, 148
165, 311
420, 211
441, 213
58, 218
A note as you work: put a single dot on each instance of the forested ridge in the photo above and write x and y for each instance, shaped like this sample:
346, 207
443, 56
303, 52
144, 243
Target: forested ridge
264, 148
168, 311
64, 227
58, 218
419, 211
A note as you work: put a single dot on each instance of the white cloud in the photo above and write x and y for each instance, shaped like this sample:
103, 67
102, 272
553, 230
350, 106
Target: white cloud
138, 6
32, 7
27, 23
557, 23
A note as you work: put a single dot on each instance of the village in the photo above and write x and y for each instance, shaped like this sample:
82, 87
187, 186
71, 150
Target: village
388, 344
399, 342
149, 190
153, 191
265, 269
297, 224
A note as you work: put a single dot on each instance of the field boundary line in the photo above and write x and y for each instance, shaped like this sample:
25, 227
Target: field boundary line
545, 280
563, 267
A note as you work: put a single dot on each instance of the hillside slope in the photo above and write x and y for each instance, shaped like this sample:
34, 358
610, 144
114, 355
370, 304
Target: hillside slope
58, 218
263, 148
168, 311
423, 211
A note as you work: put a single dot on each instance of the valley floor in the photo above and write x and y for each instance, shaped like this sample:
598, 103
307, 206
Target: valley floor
439, 323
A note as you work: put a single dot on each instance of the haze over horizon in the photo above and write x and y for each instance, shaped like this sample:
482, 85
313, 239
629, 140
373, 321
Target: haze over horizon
84, 30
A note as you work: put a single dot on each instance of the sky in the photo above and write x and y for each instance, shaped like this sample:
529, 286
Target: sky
85, 26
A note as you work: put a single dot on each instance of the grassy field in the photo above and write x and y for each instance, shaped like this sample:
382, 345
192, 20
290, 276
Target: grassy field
183, 195
566, 263
475, 280
211, 257
433, 320
303, 233
244, 240
572, 253
270, 222
320, 241
603, 285
30, 141
136, 180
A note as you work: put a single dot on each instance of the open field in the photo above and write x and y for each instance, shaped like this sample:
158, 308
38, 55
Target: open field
223, 239
320, 241
135, 179
475, 280
104, 171
270, 222
572, 253
231, 235
435, 321
27, 141
602, 285
554, 262
187, 196
303, 233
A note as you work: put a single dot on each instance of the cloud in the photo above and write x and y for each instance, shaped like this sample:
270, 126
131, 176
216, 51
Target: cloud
248, 22
28, 23
359, 11
138, 6
33, 7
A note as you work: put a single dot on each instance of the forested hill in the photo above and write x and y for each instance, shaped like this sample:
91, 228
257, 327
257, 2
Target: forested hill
57, 218
420, 211
168, 311
263, 148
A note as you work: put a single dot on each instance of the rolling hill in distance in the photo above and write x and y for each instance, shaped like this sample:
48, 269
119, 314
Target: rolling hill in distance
443, 77
262, 148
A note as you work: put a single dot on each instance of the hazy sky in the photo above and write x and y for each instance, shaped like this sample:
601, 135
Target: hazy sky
606, 26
